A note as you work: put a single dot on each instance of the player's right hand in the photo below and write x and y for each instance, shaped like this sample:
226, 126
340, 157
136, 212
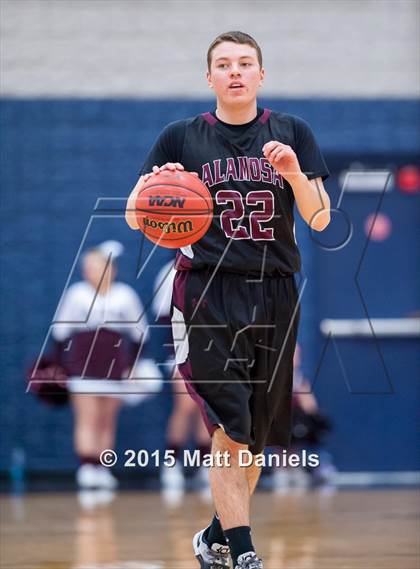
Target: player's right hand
168, 166
130, 211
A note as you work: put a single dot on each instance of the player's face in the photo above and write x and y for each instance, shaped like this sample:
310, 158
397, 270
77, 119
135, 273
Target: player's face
235, 74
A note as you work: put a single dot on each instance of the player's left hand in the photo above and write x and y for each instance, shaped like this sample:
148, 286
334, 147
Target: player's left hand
283, 159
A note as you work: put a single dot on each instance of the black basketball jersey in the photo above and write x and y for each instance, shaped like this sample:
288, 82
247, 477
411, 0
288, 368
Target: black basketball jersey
253, 224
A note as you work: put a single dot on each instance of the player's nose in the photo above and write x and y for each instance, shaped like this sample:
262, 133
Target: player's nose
235, 71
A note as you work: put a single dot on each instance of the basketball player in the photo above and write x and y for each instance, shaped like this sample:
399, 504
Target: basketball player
234, 291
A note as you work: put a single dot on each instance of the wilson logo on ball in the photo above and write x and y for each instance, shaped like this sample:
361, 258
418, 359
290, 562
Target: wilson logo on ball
169, 201
174, 209
169, 227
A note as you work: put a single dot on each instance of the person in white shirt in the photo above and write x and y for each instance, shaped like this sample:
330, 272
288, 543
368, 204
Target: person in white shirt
100, 324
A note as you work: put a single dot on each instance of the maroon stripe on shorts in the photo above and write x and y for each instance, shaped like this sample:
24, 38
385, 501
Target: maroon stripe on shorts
186, 372
178, 291
182, 263
264, 117
209, 118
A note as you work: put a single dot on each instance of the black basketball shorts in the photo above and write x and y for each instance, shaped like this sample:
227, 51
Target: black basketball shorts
234, 338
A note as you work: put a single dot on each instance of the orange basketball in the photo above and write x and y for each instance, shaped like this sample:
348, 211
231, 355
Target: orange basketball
174, 209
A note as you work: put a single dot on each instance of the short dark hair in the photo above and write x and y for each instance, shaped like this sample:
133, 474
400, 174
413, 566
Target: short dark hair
234, 37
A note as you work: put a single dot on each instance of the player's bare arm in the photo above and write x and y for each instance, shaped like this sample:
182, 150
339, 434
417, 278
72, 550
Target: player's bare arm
130, 211
312, 200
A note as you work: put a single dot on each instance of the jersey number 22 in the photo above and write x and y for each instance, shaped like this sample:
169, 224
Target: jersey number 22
236, 213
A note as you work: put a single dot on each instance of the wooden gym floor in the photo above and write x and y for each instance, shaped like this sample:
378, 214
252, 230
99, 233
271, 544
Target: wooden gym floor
346, 530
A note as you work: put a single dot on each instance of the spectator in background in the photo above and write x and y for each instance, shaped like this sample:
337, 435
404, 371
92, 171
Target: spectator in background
310, 426
98, 328
185, 422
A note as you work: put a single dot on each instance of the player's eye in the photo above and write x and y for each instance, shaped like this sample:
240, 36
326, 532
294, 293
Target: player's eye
222, 65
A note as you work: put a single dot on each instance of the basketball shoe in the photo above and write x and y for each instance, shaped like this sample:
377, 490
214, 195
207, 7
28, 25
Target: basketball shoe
214, 557
249, 561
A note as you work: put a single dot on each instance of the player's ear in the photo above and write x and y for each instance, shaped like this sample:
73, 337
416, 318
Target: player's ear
262, 75
209, 81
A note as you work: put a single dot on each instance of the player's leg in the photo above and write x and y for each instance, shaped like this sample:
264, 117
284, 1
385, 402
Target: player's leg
202, 355
231, 493
232, 485
214, 533
253, 473
229, 481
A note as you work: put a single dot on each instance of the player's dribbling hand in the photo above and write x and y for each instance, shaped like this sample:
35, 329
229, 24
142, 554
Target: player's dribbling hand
172, 166
130, 212
283, 159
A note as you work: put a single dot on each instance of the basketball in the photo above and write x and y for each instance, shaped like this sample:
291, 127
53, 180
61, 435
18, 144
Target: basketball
174, 209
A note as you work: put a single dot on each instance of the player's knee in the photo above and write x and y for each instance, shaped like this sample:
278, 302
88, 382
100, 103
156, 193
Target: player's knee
224, 444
